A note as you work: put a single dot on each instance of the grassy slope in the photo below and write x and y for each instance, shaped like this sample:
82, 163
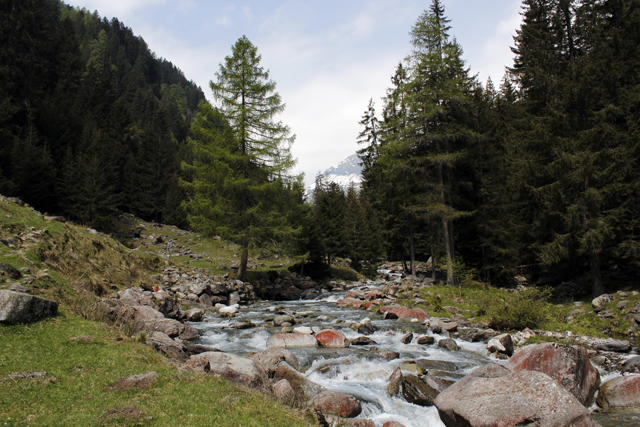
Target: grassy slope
67, 261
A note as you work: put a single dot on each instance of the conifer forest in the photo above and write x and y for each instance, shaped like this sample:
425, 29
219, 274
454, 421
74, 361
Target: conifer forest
536, 174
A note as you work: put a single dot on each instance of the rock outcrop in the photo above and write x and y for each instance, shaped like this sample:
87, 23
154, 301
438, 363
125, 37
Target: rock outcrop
16, 307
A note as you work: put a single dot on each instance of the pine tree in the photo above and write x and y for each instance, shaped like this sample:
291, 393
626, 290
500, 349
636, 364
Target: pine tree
253, 161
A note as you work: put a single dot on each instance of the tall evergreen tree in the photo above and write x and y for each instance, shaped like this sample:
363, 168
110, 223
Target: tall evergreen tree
256, 160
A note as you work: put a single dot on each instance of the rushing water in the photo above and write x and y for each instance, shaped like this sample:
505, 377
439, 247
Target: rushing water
359, 371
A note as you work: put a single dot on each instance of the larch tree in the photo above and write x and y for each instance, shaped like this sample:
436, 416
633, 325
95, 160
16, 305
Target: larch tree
241, 172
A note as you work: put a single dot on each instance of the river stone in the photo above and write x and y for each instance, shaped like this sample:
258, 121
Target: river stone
16, 307
331, 338
437, 383
483, 335
394, 382
448, 344
417, 391
429, 364
570, 366
620, 392
513, 399
501, 344
230, 366
161, 342
305, 389
194, 315
271, 358
363, 341
291, 341
174, 329
283, 390
426, 340
334, 421
407, 338
631, 365
614, 345
392, 424
142, 313
9, 270
231, 309
403, 313
412, 367
336, 403
172, 309
303, 330
279, 320
367, 328
439, 327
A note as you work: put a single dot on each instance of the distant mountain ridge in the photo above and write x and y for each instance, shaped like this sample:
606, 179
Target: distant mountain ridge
345, 173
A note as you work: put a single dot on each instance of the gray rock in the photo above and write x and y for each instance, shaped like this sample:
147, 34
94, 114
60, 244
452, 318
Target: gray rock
394, 382
305, 389
448, 344
501, 344
631, 365
271, 358
161, 342
16, 307
279, 320
172, 309
429, 364
9, 270
363, 341
232, 367
291, 341
614, 345
17, 287
599, 302
417, 391
283, 390
194, 315
407, 338
426, 340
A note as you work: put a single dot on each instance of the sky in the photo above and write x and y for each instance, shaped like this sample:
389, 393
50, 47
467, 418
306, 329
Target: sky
327, 57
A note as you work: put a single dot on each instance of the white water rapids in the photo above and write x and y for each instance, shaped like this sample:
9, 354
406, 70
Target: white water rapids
357, 370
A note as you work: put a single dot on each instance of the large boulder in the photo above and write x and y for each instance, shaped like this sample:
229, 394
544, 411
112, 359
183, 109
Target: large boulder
501, 344
570, 366
620, 392
335, 403
617, 346
132, 297
305, 389
403, 313
494, 396
17, 307
331, 338
271, 358
291, 341
172, 309
174, 329
230, 366
161, 342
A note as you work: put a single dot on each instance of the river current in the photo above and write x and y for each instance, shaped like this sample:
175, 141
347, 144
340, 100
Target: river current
360, 371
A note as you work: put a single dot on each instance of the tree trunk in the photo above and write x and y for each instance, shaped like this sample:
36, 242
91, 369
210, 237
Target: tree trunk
412, 252
433, 263
244, 258
597, 288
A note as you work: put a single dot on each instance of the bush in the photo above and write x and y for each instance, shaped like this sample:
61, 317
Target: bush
522, 309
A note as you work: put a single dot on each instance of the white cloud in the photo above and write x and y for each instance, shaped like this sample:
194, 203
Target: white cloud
122, 9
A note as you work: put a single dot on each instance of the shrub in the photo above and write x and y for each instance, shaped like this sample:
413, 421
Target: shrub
522, 309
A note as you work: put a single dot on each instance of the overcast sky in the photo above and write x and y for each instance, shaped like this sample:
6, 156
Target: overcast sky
327, 57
